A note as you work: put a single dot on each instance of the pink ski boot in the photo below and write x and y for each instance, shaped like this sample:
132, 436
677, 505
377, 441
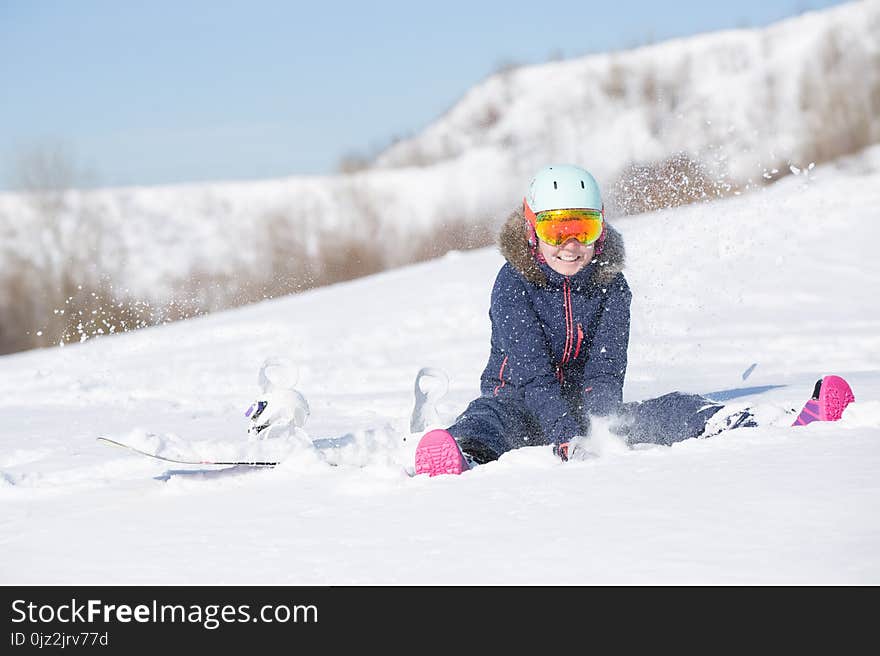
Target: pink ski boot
831, 395
438, 453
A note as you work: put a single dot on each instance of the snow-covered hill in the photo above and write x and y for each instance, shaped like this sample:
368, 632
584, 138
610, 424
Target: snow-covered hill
744, 103
785, 278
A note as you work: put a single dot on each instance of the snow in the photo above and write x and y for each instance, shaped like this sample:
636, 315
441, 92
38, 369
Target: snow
738, 99
744, 103
783, 277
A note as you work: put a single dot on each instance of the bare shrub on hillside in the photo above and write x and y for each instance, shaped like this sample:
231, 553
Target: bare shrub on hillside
489, 117
100, 310
283, 266
349, 258
457, 234
411, 153
354, 163
56, 281
36, 314
81, 306
614, 84
208, 290
45, 172
676, 180
840, 98
291, 268
506, 66
355, 249
650, 87
19, 314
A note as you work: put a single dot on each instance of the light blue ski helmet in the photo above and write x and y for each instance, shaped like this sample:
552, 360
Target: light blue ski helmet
562, 187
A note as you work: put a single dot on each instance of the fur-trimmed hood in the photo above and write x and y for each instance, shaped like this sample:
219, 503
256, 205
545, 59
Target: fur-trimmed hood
513, 243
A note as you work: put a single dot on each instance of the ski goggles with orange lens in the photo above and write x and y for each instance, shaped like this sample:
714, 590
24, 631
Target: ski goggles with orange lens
556, 227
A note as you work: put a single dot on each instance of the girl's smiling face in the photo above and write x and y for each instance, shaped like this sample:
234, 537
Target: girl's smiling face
569, 258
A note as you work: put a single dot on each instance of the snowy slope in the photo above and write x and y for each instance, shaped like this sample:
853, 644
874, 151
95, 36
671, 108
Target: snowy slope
785, 278
744, 102
741, 101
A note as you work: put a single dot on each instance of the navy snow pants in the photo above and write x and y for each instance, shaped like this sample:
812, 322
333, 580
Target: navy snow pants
491, 426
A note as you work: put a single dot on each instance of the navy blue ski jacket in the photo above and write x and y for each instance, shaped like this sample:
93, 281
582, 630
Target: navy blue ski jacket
558, 342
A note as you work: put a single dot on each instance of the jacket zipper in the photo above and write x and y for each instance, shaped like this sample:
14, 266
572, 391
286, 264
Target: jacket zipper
569, 330
577, 349
501, 376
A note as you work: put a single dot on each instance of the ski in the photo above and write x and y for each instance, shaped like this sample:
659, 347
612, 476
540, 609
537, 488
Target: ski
233, 463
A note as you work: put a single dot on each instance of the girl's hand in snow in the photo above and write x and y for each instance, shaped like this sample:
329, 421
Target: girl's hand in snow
561, 450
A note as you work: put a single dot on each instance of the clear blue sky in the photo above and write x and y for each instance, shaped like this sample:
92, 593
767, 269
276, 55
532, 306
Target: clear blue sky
187, 90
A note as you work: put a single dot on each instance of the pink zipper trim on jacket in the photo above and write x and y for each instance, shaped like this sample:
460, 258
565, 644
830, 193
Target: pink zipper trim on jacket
569, 329
501, 375
577, 349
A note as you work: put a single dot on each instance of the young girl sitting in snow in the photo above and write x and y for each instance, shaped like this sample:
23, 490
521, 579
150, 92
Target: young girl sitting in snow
560, 314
